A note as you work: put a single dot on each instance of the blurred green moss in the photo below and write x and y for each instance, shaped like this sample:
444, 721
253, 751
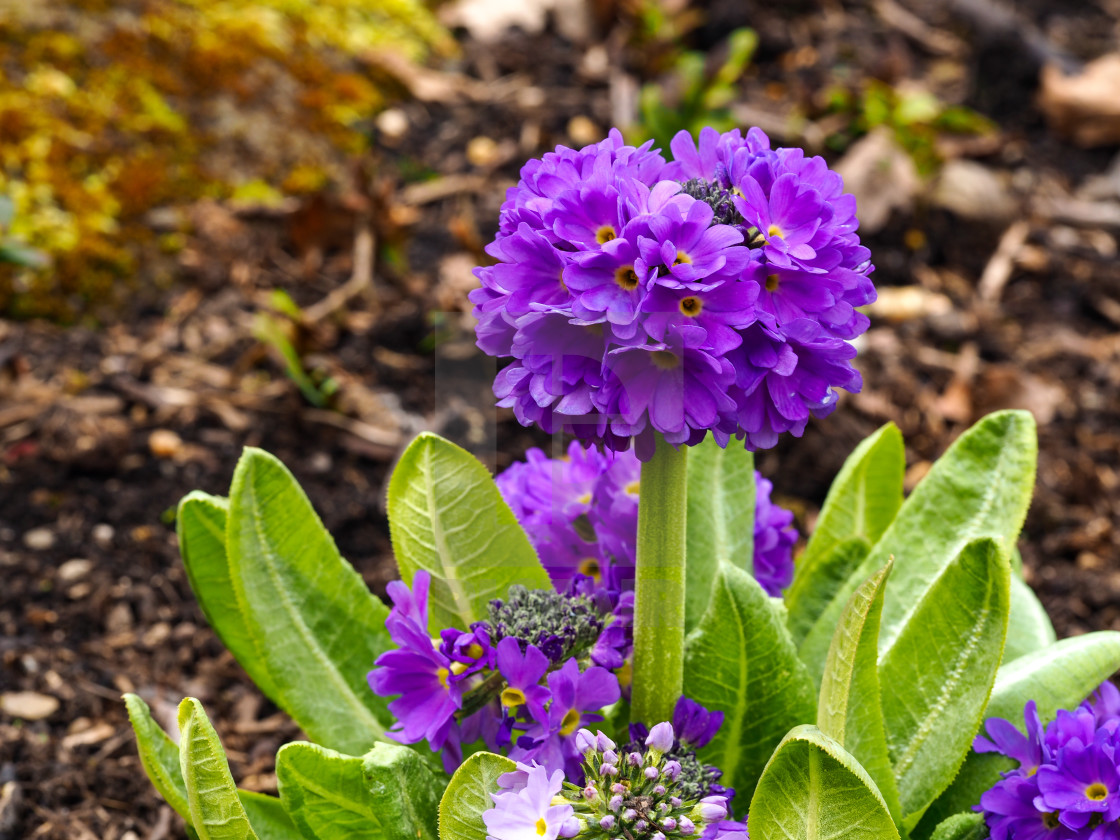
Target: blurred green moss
110, 108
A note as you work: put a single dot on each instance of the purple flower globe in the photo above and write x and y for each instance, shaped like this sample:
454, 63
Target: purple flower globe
1067, 784
714, 293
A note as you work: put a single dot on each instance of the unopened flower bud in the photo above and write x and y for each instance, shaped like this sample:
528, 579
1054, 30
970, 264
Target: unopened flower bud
651, 773
615, 803
585, 741
672, 770
571, 827
634, 759
603, 742
590, 794
669, 824
686, 826
711, 808
607, 822
660, 739
629, 815
610, 757
608, 770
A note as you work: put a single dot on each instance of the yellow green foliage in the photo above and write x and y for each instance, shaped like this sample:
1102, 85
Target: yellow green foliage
109, 108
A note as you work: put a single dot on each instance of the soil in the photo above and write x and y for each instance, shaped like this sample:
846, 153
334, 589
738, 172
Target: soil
103, 430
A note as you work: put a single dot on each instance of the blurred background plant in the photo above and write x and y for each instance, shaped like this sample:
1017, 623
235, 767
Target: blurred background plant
111, 109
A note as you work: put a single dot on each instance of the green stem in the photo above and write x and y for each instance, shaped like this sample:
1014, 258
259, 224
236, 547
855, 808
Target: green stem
659, 586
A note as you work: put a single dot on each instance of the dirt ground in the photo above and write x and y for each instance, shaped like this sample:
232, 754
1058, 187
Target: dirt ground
999, 284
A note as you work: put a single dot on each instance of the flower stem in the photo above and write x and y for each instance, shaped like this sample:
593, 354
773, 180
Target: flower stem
659, 586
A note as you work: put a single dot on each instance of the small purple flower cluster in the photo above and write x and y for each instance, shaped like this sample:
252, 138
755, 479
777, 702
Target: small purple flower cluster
495, 682
581, 513
716, 292
1067, 785
632, 794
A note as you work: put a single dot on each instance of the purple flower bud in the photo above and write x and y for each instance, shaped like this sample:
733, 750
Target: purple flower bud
657, 835
590, 794
672, 770
604, 743
641, 826
686, 826
650, 773
663, 807
661, 738
610, 757
634, 759
585, 742
711, 808
618, 787
675, 801
608, 770
615, 803
607, 822
629, 815
571, 827
669, 824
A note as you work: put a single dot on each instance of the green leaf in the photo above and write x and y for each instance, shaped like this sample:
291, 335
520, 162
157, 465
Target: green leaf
1058, 677
937, 676
159, 755
849, 708
813, 596
964, 826
720, 520
979, 488
446, 515
216, 811
389, 794
201, 526
863, 499
741, 661
267, 816
468, 796
1029, 628
314, 626
812, 789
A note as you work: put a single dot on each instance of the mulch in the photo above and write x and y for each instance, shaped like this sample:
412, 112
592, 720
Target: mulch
103, 430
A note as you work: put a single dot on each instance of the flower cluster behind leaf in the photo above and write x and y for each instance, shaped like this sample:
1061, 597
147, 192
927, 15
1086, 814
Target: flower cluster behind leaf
1067, 785
581, 513
629, 794
714, 293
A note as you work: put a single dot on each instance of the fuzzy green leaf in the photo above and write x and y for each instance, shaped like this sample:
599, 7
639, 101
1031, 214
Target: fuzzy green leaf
720, 519
1029, 628
446, 515
215, 809
201, 526
267, 816
849, 708
468, 796
861, 503
390, 794
812, 789
313, 624
964, 826
741, 661
937, 676
980, 487
1057, 677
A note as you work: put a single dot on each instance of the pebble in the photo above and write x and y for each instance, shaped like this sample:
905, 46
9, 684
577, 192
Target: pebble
103, 534
28, 705
165, 443
39, 539
73, 570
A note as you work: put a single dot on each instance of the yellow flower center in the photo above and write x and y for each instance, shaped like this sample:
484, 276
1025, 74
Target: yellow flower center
633, 487
664, 359
458, 668
772, 282
590, 566
682, 258
773, 231
542, 827
474, 650
626, 278
513, 697
1096, 792
585, 499
1050, 820
605, 234
570, 723
443, 674
691, 306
